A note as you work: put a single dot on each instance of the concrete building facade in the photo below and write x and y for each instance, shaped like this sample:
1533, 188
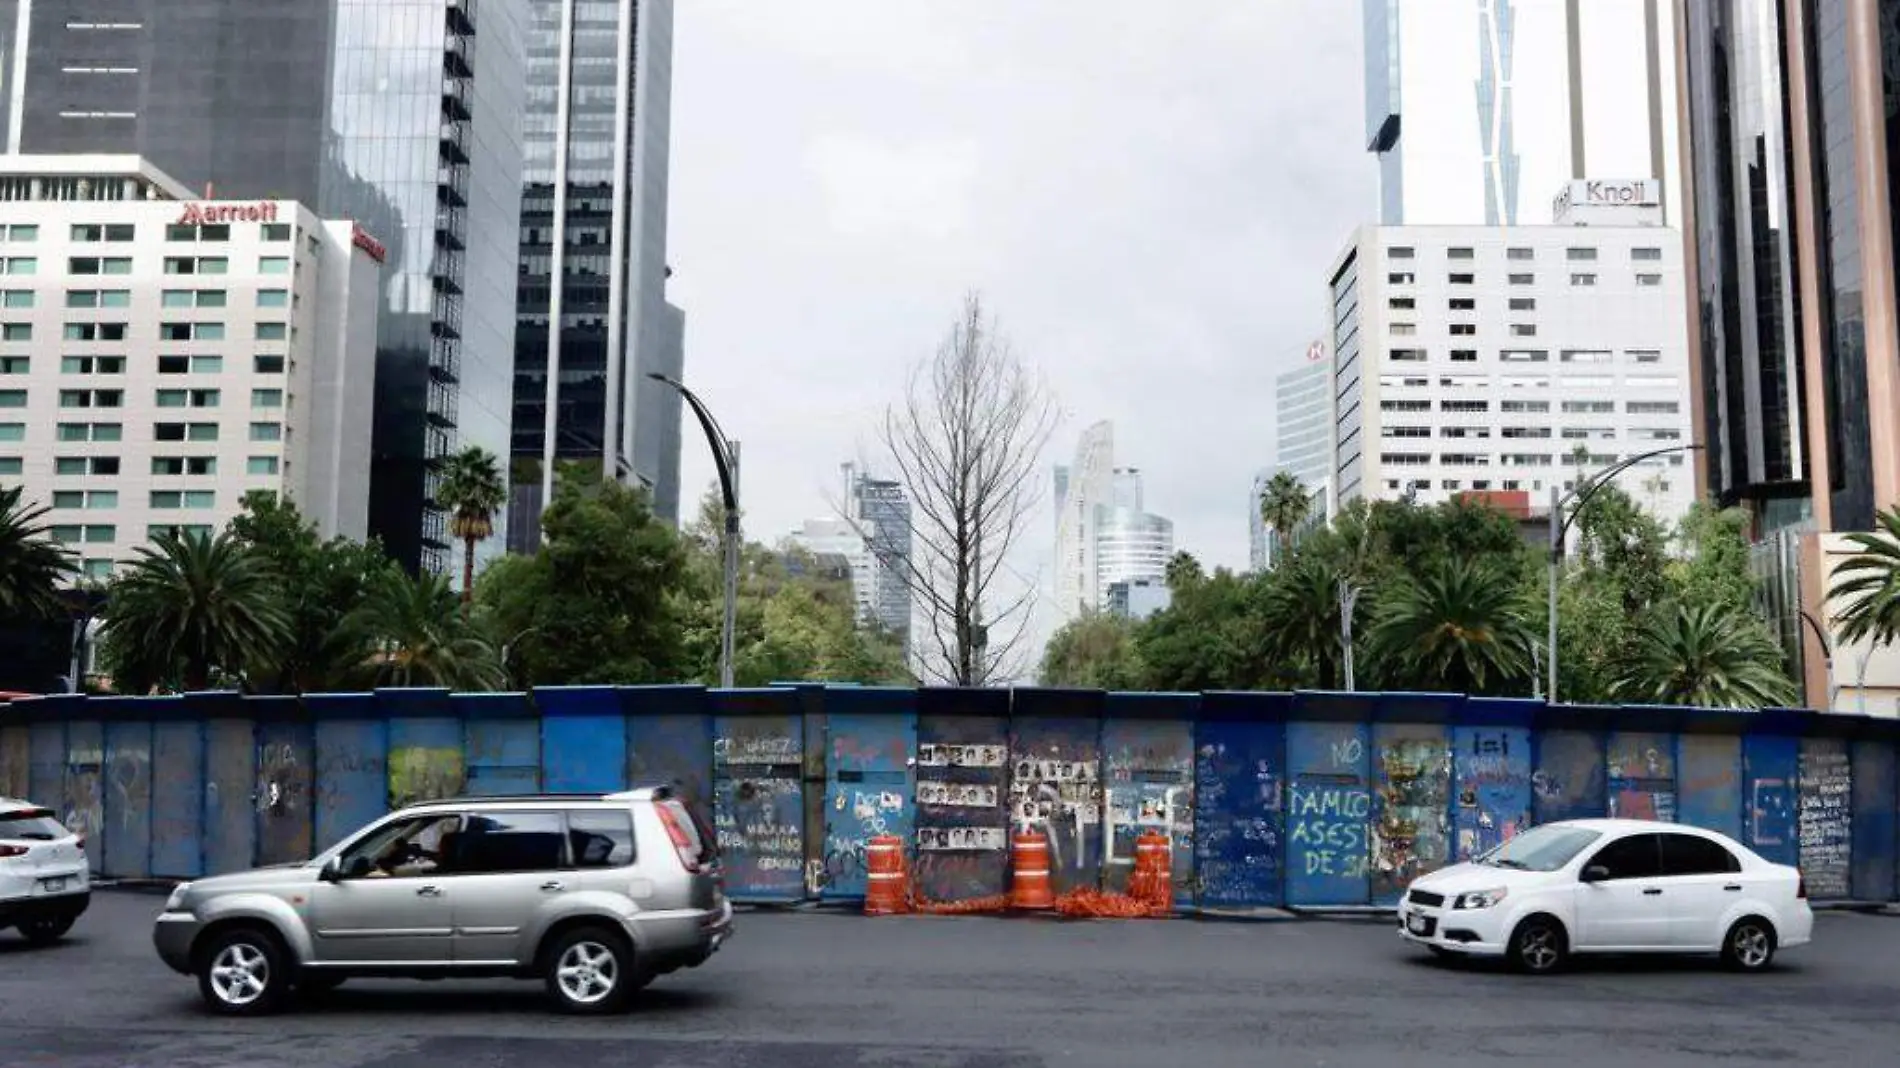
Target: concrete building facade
161, 357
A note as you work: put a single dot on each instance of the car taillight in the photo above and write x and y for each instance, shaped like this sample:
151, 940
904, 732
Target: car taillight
683, 845
12, 851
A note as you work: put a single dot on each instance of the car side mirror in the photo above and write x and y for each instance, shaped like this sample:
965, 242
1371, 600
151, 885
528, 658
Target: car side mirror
332, 870
1595, 873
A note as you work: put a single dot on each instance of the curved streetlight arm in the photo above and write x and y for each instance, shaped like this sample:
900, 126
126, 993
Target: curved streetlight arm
715, 436
1820, 634
1589, 486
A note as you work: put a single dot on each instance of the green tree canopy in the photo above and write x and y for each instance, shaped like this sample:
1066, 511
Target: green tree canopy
188, 606
1094, 651
33, 567
472, 490
1705, 655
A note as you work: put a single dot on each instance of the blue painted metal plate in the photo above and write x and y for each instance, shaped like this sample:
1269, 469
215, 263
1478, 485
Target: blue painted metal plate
869, 788
1411, 827
1709, 780
46, 764
1329, 814
1874, 823
349, 784
583, 739
758, 794
1055, 787
1770, 796
961, 824
1824, 817
82, 800
1642, 776
1570, 781
1239, 813
178, 795
669, 741
285, 824
504, 756
128, 801
1149, 768
1492, 769
426, 761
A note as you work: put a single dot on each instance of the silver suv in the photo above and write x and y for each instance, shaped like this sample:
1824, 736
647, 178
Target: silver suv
596, 894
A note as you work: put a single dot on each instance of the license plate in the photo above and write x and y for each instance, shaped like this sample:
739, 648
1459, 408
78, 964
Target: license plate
1417, 924
53, 886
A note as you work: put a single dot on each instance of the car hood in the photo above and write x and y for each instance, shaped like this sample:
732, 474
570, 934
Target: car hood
274, 875
1466, 878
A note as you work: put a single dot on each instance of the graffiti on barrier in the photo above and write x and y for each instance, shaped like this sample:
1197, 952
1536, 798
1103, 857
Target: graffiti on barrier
424, 773
1412, 834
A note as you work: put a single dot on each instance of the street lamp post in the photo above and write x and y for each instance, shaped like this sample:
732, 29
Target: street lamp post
726, 458
1560, 523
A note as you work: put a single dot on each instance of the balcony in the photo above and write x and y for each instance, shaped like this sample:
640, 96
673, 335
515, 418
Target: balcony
445, 360
445, 319
446, 270
455, 56
454, 141
456, 94
442, 399
450, 224
451, 185
460, 20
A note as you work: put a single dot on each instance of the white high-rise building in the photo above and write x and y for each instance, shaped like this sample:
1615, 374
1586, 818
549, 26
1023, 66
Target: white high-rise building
161, 357
1080, 488
1131, 546
1477, 109
875, 537
1505, 360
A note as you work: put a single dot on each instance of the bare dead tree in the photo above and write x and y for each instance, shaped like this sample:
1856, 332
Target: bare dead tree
967, 441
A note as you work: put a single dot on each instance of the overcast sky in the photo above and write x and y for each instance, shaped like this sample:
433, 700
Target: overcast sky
1146, 194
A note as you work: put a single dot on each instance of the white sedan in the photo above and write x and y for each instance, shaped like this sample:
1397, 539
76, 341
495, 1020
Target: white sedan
1611, 886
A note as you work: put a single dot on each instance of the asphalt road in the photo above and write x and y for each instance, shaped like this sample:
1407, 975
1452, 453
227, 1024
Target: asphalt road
819, 990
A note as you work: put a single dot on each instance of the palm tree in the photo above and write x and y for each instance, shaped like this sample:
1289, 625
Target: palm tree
190, 604
421, 637
32, 565
1301, 611
1869, 581
1183, 572
472, 491
1284, 505
1460, 627
1711, 656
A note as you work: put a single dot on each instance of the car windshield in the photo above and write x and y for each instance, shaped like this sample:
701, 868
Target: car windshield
1540, 849
30, 825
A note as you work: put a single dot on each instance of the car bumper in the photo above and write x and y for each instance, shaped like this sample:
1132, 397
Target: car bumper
1797, 929
682, 938
172, 936
1479, 932
46, 907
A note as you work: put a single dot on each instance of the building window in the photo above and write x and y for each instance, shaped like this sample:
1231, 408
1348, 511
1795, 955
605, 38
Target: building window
1651, 407
1401, 303
1645, 356
1400, 252
1405, 406
14, 365
1588, 407
19, 265
197, 265
1525, 432
1463, 304
1525, 356
267, 398
95, 499
1520, 255
17, 298
1647, 281
1524, 407
20, 232
184, 465
1406, 432
1458, 253
12, 398
1464, 355
12, 431
167, 500
1464, 406
1463, 279
1523, 303
261, 465
99, 298
1585, 356
267, 432
16, 332
91, 398
1464, 329
1401, 278
95, 331
92, 365
1523, 330
1523, 279
1646, 255
1405, 459
1580, 255
276, 231
1583, 279
95, 265
86, 465
1398, 329
267, 365
273, 265
84, 233
272, 331
273, 298
1406, 355
191, 332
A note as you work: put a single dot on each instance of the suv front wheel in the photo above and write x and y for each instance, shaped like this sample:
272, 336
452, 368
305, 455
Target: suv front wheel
590, 970
242, 972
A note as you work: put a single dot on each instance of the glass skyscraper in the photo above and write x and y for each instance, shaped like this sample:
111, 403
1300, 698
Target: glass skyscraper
593, 253
404, 115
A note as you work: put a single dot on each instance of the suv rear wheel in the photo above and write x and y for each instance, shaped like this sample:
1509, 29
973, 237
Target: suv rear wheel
590, 970
242, 972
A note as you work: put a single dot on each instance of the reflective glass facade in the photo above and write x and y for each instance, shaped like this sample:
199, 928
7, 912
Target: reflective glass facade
401, 114
593, 207
1745, 308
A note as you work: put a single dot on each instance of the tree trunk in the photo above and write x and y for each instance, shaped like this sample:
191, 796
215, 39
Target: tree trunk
468, 575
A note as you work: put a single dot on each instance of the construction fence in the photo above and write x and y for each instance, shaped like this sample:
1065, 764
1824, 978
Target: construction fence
1307, 800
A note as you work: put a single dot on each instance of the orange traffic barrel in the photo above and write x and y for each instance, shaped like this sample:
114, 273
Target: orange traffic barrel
1029, 866
1162, 892
887, 890
1141, 883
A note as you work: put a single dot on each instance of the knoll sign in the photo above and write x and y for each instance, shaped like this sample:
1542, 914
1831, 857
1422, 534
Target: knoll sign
1596, 194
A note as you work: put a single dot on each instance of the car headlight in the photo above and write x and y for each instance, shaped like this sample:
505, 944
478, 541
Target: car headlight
177, 900
1480, 899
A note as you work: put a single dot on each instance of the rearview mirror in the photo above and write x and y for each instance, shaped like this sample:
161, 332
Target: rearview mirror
1595, 873
332, 871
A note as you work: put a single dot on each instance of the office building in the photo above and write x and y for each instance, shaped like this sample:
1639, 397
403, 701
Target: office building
1303, 403
1509, 360
1080, 488
875, 536
1791, 135
594, 218
1137, 599
1477, 109
1130, 544
404, 115
161, 356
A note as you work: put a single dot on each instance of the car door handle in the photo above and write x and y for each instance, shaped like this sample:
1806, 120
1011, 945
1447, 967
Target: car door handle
553, 885
1652, 892
429, 891
1733, 887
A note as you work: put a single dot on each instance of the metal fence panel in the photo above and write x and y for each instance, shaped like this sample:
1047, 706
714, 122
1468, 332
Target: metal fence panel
82, 797
1492, 768
1874, 823
426, 762
1411, 828
1769, 796
870, 789
1824, 817
1149, 767
127, 847
1709, 776
962, 828
1239, 811
758, 793
1642, 776
351, 740
178, 798
1570, 781
1055, 781
1329, 814
285, 756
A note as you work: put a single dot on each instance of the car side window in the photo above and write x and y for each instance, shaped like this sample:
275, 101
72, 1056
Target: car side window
600, 838
1635, 857
404, 849
1689, 854
498, 842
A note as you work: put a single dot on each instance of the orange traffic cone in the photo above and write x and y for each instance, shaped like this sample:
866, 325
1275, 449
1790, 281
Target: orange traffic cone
887, 891
1029, 866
